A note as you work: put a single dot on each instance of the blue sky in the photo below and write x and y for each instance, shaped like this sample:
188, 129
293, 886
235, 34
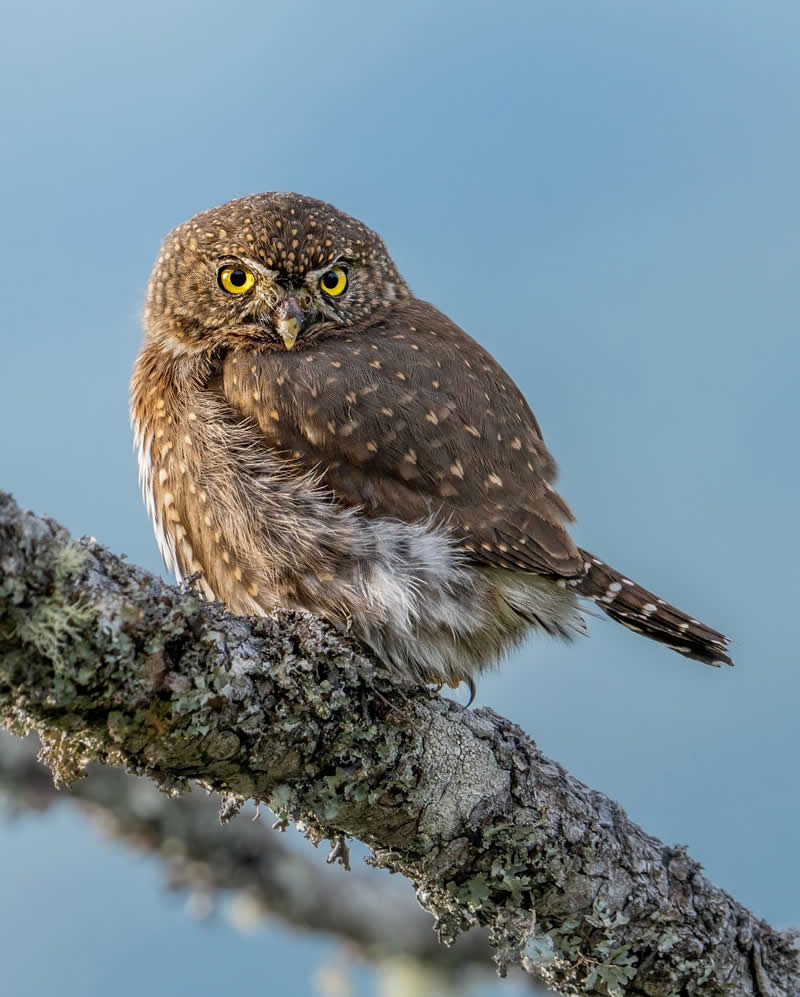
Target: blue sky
606, 196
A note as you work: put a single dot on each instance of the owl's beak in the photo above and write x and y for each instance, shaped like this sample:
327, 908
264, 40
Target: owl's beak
288, 321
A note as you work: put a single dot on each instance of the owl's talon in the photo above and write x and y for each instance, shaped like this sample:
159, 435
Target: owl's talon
470, 684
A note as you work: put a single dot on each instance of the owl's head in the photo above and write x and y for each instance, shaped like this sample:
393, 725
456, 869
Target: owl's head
276, 270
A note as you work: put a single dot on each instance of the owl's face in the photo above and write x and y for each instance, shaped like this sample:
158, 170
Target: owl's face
274, 270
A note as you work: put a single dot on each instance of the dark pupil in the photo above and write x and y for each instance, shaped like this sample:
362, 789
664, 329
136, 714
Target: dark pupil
238, 277
331, 280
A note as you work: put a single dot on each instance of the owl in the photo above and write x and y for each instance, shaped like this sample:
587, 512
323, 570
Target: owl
311, 435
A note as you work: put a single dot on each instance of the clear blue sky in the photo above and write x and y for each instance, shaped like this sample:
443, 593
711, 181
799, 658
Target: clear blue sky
606, 196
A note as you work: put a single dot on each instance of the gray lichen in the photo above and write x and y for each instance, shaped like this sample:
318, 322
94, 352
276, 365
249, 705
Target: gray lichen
460, 802
268, 876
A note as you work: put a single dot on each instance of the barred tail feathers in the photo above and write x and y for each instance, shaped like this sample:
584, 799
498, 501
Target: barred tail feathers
636, 608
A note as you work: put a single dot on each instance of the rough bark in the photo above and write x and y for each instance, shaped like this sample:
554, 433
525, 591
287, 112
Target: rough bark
108, 663
267, 875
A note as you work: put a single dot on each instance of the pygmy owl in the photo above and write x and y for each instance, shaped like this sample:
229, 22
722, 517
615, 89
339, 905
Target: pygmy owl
311, 435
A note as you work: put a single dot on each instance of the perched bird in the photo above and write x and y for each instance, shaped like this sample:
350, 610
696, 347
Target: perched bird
311, 435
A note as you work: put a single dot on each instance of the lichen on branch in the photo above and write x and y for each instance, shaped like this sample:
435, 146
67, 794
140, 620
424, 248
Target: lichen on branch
108, 663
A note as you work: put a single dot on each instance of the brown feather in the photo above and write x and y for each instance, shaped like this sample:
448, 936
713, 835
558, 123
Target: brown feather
644, 612
412, 419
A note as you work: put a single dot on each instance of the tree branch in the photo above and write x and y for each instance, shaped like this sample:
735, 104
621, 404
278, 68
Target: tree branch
269, 876
108, 663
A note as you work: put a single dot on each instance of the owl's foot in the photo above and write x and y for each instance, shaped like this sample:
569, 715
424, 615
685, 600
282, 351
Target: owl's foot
454, 683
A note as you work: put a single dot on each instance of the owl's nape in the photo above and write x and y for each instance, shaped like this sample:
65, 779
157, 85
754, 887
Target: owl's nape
311, 435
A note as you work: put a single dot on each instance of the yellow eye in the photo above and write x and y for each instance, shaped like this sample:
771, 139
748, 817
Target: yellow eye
235, 280
334, 282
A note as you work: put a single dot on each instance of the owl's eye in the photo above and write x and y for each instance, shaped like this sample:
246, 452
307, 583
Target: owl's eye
334, 282
235, 280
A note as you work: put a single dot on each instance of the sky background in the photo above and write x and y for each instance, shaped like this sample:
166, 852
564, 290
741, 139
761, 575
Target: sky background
603, 194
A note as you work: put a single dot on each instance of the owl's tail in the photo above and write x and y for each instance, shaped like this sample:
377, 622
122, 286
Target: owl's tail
636, 608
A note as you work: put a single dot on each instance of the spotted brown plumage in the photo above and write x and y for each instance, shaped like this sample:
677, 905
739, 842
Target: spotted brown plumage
413, 420
312, 435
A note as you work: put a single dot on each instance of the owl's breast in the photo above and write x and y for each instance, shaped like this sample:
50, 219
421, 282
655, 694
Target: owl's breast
199, 480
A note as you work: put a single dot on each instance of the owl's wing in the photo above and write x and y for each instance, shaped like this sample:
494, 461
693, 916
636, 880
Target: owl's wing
412, 419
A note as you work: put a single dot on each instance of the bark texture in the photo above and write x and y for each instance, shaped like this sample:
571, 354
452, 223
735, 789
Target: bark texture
265, 873
108, 663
